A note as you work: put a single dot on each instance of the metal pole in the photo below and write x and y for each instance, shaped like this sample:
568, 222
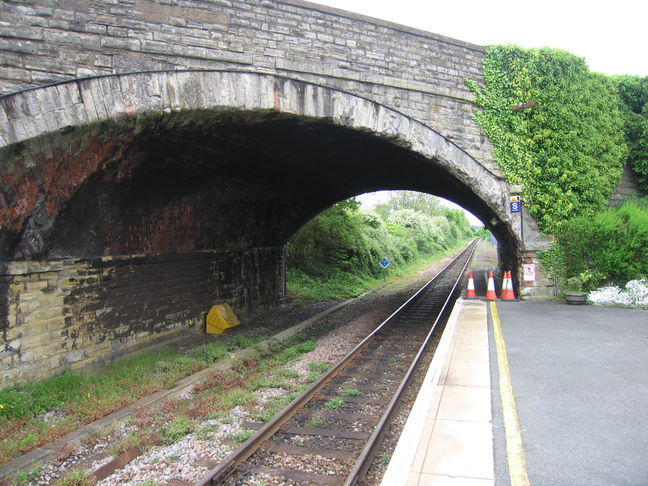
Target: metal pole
522, 224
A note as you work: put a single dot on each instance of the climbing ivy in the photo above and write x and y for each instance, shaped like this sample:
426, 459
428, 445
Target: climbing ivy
567, 150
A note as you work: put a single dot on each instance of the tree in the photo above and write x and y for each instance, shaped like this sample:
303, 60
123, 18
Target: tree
417, 201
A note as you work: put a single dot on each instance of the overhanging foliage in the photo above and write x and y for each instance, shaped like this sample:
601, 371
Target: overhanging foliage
568, 150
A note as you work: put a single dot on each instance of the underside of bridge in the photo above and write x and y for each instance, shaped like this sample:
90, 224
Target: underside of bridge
202, 181
126, 229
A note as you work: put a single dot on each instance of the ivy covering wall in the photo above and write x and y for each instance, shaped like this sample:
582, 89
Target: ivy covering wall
568, 150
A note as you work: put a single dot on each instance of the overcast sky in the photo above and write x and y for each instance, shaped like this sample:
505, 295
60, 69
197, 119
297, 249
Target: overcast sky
612, 36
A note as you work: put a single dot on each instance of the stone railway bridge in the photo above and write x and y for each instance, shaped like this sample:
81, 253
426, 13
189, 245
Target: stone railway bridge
156, 155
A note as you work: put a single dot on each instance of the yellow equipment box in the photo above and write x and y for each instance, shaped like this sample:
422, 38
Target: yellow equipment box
220, 318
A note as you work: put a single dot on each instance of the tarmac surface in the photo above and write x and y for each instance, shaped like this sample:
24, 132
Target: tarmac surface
578, 394
580, 380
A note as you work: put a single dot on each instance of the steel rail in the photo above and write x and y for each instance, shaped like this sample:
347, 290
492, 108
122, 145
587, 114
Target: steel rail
364, 461
245, 450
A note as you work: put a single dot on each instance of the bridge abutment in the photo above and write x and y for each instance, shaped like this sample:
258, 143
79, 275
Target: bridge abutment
78, 313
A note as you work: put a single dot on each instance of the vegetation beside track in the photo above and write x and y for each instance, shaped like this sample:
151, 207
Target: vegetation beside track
210, 401
337, 254
34, 414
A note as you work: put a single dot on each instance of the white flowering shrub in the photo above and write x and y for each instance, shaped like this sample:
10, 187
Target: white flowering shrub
635, 294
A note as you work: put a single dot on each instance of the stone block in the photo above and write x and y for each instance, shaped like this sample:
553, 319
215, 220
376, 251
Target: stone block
14, 345
36, 339
36, 285
16, 288
121, 43
76, 355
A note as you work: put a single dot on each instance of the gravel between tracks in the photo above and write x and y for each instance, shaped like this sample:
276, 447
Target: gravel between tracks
191, 457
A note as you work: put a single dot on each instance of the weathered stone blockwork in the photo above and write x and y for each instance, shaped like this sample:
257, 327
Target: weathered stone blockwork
72, 313
418, 73
627, 187
542, 287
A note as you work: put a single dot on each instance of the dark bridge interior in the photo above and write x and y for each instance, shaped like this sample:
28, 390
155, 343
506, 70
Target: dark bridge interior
204, 180
115, 234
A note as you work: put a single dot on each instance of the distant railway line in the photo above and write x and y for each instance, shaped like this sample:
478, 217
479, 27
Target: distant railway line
328, 434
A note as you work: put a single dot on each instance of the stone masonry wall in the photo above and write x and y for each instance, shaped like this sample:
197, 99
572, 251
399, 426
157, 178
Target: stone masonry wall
627, 187
72, 314
418, 73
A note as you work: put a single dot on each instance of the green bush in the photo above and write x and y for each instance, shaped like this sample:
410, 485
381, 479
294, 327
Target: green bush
609, 247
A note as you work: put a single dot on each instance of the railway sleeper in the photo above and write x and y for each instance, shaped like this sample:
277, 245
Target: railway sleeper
342, 434
297, 475
303, 450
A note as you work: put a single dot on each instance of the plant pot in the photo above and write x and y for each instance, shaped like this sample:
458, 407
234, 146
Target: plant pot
575, 298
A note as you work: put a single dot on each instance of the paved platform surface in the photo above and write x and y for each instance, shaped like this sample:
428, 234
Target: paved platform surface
579, 378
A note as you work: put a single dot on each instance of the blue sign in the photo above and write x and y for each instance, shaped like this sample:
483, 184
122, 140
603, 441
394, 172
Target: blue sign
514, 206
384, 262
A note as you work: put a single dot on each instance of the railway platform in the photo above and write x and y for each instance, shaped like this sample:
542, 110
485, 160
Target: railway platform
538, 393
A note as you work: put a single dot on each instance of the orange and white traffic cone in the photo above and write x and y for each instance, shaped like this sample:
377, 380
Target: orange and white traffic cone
490, 290
507, 287
470, 291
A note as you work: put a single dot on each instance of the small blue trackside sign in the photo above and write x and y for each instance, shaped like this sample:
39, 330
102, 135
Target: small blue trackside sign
384, 262
514, 204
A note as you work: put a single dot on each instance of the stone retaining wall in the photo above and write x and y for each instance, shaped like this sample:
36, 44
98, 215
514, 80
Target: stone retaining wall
72, 314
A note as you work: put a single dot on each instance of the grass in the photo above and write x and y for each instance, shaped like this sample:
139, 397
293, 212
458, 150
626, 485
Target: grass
289, 373
81, 398
242, 436
75, 477
177, 429
333, 403
315, 421
351, 392
319, 367
340, 286
25, 477
344, 285
384, 457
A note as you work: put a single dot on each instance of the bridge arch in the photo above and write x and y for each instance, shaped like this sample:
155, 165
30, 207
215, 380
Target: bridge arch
61, 137
114, 185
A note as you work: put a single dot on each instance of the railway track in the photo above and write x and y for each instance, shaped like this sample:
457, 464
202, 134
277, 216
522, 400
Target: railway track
328, 434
